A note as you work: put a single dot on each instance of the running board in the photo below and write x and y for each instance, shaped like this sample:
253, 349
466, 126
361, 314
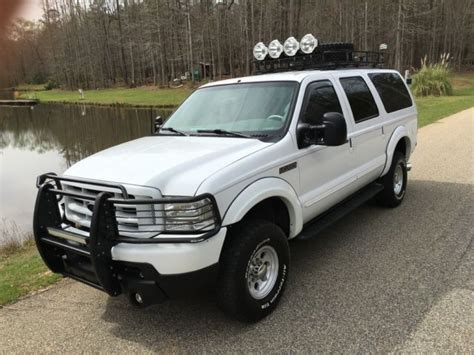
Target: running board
323, 221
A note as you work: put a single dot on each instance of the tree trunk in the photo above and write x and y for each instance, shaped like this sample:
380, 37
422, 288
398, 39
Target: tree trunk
122, 49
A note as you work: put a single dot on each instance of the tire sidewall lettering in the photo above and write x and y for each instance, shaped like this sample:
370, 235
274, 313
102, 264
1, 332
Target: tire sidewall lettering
280, 287
282, 273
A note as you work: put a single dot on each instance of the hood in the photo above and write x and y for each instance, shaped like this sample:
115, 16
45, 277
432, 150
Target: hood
176, 165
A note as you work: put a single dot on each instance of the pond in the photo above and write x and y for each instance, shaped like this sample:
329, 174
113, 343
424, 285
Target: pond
50, 138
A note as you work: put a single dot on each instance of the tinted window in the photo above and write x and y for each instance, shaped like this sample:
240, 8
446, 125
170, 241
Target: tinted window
392, 91
360, 98
320, 99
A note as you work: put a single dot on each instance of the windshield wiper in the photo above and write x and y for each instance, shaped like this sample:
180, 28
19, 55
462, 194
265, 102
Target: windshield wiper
171, 129
223, 132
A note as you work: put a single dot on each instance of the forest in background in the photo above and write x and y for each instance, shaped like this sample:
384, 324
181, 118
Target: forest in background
104, 43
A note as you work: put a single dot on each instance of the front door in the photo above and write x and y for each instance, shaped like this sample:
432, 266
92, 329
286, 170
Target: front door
326, 173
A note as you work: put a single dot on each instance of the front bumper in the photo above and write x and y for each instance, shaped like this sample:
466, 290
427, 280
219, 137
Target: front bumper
156, 268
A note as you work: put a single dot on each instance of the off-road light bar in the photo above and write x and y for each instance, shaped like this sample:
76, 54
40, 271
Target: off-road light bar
290, 47
309, 53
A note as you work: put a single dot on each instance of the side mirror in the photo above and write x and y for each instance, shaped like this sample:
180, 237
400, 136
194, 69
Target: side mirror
332, 131
157, 123
335, 129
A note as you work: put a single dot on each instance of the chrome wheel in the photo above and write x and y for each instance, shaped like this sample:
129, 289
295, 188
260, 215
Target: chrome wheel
398, 179
262, 272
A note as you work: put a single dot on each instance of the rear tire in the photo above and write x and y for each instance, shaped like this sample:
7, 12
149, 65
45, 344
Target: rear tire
254, 268
394, 183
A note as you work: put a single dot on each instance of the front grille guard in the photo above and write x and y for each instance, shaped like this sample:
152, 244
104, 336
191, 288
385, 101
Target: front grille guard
56, 244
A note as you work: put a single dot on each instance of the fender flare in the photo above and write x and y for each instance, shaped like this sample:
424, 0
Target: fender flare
400, 133
261, 190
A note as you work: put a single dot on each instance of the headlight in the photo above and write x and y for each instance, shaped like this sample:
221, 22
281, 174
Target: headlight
275, 49
190, 216
308, 43
260, 51
291, 46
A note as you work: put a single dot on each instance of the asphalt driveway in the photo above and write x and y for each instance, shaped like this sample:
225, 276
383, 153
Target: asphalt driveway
377, 281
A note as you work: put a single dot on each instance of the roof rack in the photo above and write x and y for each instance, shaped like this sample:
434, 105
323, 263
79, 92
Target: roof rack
325, 57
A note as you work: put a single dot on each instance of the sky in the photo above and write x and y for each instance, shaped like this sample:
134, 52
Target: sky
31, 10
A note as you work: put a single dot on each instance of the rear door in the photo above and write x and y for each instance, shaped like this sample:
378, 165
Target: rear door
368, 137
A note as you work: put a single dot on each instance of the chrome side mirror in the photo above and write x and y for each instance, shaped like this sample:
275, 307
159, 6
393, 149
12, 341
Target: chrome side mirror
157, 123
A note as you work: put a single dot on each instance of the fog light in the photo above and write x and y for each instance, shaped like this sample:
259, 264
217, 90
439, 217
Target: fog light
275, 49
260, 51
308, 43
291, 46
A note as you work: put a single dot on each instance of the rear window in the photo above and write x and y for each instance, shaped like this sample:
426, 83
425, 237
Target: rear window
392, 91
360, 98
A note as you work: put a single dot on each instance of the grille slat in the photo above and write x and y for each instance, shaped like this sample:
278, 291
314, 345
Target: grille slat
79, 211
79, 208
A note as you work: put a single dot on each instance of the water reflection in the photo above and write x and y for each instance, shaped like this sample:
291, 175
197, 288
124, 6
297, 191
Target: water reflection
52, 138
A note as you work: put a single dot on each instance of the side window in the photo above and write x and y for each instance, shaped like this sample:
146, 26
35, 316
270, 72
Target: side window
320, 98
360, 98
392, 91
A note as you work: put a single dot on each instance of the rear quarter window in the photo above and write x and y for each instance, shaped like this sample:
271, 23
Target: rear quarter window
392, 91
360, 98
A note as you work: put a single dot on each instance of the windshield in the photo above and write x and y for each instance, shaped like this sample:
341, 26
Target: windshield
252, 109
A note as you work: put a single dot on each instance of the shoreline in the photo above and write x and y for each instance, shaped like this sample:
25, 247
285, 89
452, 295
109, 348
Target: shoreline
141, 97
112, 105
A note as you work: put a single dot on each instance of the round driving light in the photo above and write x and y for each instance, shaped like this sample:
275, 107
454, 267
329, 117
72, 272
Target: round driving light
308, 43
275, 49
260, 51
291, 46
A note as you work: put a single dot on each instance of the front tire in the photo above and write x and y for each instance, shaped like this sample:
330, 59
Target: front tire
253, 270
394, 183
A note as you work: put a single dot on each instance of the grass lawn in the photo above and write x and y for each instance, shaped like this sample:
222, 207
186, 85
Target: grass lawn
431, 109
21, 272
142, 96
30, 87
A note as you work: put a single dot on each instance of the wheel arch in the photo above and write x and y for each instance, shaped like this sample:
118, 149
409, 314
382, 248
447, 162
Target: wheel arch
274, 192
399, 141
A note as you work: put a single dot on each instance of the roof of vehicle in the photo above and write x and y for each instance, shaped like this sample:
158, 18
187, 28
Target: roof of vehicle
297, 76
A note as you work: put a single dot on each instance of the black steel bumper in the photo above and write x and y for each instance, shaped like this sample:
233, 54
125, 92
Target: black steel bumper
89, 259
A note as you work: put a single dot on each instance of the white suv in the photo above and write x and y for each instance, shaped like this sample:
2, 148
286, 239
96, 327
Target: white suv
212, 198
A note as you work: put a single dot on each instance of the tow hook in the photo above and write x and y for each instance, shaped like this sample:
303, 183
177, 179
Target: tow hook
143, 293
137, 299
